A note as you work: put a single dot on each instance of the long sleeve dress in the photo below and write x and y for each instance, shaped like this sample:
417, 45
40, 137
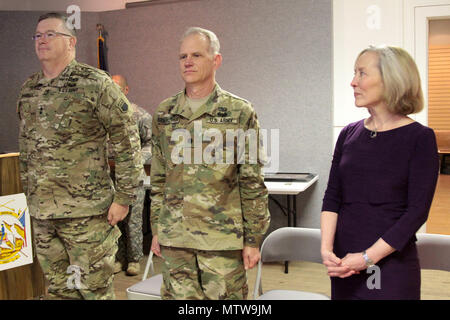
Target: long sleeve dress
381, 187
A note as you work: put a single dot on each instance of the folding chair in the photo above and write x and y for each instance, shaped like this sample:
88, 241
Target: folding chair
147, 289
289, 244
434, 251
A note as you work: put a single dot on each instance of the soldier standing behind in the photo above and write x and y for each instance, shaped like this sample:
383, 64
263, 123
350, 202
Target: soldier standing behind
66, 111
207, 219
130, 243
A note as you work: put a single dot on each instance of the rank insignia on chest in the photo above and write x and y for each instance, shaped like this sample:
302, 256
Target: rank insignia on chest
223, 112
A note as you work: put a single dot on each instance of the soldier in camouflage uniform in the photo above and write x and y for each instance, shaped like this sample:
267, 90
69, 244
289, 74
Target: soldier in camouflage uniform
130, 243
208, 218
65, 112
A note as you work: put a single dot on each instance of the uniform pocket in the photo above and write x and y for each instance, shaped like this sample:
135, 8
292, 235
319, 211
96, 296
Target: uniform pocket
101, 259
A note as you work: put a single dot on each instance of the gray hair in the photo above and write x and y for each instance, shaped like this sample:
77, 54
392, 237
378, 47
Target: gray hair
214, 44
401, 79
59, 16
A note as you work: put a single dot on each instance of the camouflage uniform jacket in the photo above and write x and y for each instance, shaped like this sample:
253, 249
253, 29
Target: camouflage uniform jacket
62, 142
144, 122
215, 206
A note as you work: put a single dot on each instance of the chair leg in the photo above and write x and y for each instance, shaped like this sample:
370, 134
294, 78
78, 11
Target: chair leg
444, 156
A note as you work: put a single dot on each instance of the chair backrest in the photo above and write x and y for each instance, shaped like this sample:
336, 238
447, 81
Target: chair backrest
288, 244
292, 244
443, 140
434, 251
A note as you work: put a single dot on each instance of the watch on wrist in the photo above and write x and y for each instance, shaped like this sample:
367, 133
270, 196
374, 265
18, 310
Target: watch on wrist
369, 262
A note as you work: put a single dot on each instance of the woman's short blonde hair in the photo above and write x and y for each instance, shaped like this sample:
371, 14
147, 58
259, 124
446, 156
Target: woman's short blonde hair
403, 91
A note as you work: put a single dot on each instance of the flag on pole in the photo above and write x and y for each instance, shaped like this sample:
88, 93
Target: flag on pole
101, 59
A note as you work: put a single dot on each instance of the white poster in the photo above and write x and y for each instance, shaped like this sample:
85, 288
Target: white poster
15, 232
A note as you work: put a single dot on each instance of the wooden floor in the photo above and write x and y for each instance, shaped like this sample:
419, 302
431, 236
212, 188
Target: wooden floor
303, 276
312, 277
439, 218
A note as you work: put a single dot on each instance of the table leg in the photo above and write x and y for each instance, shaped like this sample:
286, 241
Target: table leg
146, 214
294, 210
443, 162
286, 263
288, 198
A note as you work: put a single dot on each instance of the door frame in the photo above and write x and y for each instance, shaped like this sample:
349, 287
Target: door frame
417, 14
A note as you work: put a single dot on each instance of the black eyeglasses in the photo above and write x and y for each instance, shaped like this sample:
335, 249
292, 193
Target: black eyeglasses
49, 35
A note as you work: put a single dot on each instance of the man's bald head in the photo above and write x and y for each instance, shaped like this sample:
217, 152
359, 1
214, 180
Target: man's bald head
122, 82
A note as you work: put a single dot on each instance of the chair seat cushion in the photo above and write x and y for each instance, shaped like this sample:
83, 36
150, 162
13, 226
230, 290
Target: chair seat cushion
291, 295
151, 285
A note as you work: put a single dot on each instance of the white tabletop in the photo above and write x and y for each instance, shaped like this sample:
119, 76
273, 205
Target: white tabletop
147, 182
295, 187
274, 187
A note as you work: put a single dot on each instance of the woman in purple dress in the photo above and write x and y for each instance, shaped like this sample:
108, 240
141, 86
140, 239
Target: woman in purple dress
382, 181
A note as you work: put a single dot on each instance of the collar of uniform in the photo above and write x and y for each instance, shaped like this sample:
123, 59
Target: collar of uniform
181, 106
63, 75
183, 109
210, 106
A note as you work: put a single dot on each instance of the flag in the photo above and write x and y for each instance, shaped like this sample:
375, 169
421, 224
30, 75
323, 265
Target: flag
101, 53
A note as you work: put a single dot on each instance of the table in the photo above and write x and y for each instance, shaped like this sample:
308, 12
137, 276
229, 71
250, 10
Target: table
289, 184
146, 229
147, 185
443, 144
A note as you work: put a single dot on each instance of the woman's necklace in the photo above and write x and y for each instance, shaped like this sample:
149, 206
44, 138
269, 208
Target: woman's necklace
373, 133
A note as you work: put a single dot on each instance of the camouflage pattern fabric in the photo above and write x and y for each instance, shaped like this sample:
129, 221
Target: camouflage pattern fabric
144, 122
62, 142
79, 262
130, 243
216, 206
197, 275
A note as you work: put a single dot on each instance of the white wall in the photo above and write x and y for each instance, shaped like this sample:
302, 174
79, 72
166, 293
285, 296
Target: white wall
358, 24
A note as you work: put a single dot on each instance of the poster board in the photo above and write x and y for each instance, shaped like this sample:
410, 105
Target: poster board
16, 248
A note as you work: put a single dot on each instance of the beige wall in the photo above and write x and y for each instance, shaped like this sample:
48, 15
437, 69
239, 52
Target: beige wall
61, 5
439, 32
277, 54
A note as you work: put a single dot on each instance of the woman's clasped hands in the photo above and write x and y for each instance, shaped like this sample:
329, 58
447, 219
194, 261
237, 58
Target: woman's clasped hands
351, 264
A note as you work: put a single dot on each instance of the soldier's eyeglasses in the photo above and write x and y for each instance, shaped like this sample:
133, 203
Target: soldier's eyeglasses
49, 35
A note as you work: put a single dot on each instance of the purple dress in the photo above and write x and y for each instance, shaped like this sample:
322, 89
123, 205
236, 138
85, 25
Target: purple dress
381, 187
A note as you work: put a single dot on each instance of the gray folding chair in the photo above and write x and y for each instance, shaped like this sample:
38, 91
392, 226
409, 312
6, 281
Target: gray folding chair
289, 244
434, 251
147, 289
